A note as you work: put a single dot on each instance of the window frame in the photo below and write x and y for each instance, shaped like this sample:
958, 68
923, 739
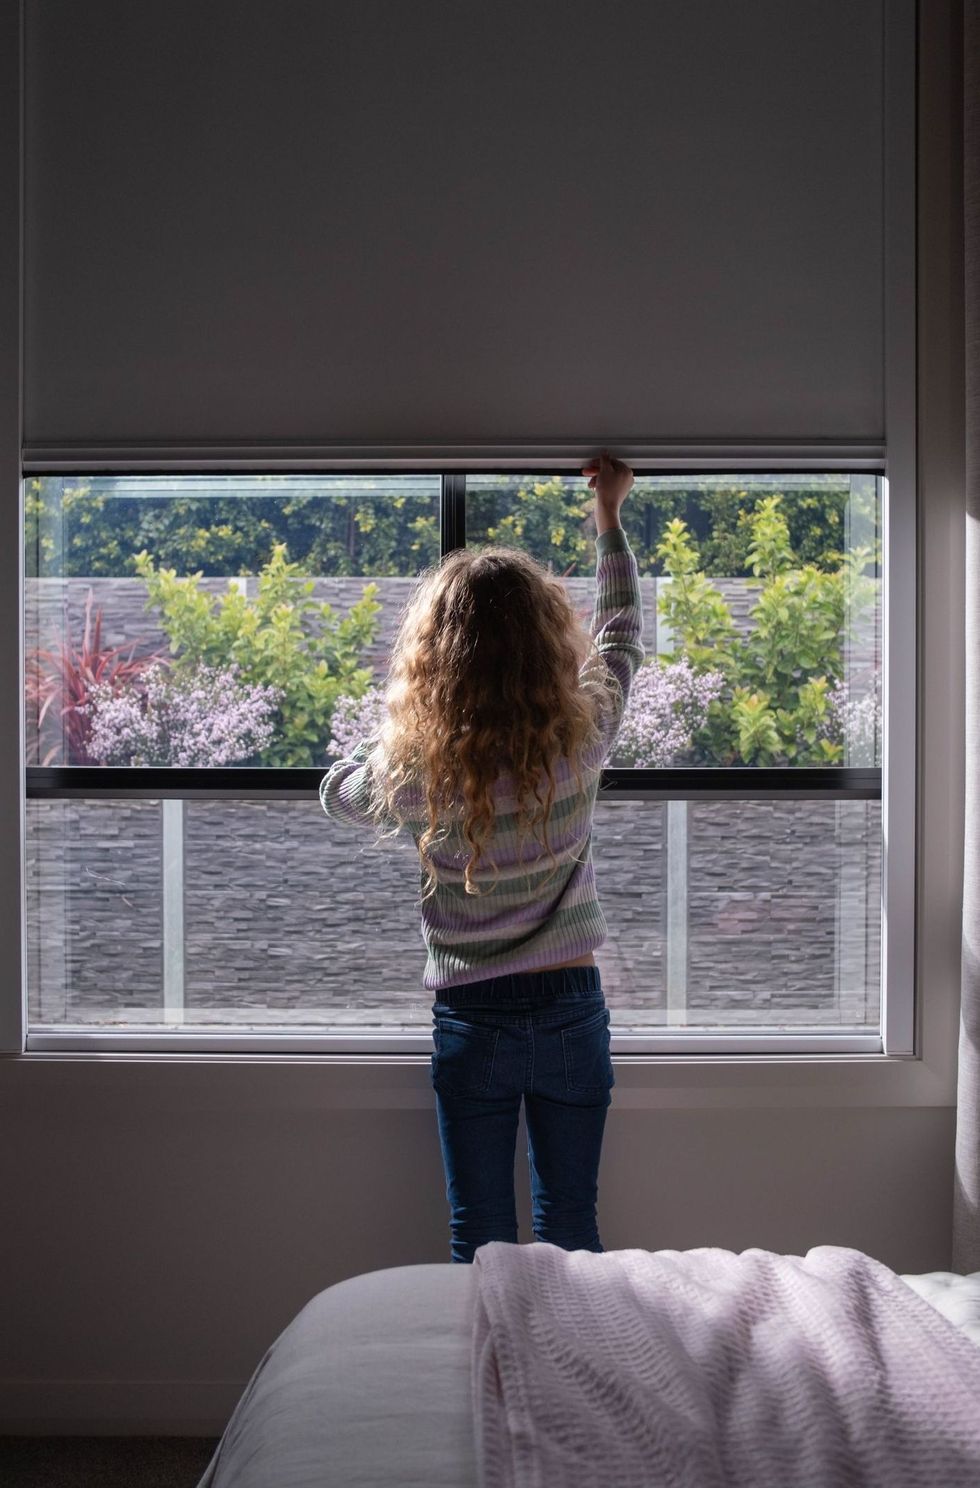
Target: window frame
789, 783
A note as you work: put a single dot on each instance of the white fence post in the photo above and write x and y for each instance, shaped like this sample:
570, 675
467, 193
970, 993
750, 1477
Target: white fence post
172, 827
675, 848
677, 911
851, 928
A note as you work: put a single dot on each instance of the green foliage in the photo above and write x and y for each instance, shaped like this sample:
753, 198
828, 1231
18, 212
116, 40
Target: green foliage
73, 531
780, 673
811, 716
82, 528
283, 638
812, 554
722, 532
693, 608
542, 517
755, 727
769, 547
798, 622
722, 520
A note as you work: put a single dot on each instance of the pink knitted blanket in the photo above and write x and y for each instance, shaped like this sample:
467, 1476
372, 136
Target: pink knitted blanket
707, 1369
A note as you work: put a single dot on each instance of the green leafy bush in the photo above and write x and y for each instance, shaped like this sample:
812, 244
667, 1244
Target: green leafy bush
543, 517
775, 709
282, 638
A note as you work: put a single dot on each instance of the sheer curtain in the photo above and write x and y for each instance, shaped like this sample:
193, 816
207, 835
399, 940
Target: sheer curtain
966, 1202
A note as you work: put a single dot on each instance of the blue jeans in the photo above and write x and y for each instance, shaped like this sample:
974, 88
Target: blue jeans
543, 1035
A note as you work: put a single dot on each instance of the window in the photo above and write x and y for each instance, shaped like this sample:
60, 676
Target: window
199, 647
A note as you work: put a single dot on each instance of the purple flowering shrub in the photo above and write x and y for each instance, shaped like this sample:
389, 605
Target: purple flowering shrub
855, 723
356, 718
667, 706
282, 637
204, 717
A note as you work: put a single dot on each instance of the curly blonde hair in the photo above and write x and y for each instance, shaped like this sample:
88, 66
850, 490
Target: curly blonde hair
485, 678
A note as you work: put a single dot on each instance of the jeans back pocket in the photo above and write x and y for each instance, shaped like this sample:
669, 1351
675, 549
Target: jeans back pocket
585, 1046
462, 1059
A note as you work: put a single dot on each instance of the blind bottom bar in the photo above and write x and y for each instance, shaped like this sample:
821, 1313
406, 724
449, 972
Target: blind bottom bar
52, 457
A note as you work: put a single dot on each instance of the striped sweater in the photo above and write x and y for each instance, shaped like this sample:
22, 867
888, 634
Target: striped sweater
538, 913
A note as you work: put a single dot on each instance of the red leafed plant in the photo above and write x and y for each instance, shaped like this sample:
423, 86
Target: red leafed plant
58, 684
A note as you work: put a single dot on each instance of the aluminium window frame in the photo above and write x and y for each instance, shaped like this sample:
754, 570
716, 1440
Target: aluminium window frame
711, 783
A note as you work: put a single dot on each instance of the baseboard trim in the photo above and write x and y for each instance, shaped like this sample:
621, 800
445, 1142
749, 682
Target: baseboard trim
117, 1407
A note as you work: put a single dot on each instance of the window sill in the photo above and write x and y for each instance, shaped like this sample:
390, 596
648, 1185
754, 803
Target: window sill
319, 1081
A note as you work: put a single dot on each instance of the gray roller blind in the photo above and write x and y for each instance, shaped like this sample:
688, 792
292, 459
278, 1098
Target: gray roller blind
453, 223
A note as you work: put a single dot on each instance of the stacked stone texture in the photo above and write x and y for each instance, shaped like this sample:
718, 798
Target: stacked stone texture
56, 607
283, 909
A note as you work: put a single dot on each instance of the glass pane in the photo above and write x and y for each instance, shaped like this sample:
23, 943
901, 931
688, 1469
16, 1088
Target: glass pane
770, 915
723, 916
253, 914
213, 619
762, 608
95, 940
289, 916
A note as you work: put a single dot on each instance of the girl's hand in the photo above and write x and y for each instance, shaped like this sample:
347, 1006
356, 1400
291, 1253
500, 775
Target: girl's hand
612, 481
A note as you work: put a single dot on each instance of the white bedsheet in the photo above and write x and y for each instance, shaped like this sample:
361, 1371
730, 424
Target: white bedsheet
369, 1385
956, 1297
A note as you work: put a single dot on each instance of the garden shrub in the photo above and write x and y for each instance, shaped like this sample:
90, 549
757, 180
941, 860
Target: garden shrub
782, 677
357, 718
774, 697
283, 638
667, 706
193, 719
59, 683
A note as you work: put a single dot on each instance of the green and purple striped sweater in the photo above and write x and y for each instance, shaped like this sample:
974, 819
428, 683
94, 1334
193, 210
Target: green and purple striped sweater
538, 913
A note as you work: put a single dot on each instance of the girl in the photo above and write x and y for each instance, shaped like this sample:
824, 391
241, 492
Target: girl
501, 711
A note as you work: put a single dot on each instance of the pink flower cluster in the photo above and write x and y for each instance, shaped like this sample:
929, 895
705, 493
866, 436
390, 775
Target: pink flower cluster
666, 707
856, 722
206, 718
355, 719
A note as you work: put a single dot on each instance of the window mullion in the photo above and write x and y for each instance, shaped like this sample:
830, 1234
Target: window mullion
452, 513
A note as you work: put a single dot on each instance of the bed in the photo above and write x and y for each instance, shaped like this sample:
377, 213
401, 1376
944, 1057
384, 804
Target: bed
374, 1381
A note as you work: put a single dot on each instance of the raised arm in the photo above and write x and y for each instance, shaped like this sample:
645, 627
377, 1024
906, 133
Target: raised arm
617, 620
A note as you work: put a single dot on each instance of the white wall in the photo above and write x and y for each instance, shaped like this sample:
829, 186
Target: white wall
168, 1221
164, 1219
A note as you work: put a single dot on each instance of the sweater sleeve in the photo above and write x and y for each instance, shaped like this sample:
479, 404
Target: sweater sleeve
617, 629
345, 790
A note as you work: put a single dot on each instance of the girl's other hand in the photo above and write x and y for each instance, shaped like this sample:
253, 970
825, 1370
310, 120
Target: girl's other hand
612, 481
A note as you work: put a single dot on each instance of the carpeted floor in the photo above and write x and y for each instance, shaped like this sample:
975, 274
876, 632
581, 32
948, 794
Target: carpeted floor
104, 1461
